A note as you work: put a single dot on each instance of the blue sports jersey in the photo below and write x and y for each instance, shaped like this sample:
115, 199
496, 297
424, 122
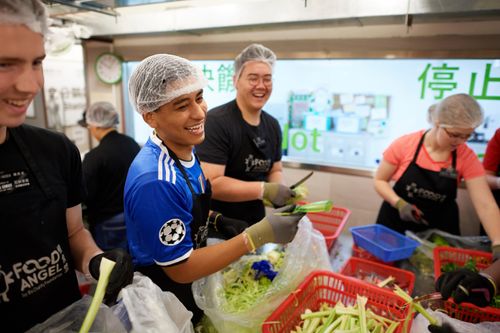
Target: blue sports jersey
158, 205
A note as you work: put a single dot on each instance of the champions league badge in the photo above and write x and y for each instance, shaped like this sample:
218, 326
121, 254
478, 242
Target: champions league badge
172, 232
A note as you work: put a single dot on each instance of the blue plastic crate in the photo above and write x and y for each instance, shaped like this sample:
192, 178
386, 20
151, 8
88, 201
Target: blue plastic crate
383, 242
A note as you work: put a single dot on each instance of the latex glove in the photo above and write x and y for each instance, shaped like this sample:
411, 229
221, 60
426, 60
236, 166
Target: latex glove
122, 273
409, 212
466, 286
444, 328
227, 226
496, 251
277, 194
275, 228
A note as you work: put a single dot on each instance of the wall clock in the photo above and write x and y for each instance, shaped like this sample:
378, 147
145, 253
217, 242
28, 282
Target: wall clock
108, 67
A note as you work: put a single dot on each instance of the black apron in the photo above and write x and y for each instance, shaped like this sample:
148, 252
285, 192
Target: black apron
38, 279
199, 228
433, 192
252, 162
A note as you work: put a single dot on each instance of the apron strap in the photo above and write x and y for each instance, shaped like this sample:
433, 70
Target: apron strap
25, 151
453, 154
418, 147
180, 167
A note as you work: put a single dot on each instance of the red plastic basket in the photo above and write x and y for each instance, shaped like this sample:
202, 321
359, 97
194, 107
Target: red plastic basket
444, 255
330, 224
328, 287
464, 311
359, 252
359, 268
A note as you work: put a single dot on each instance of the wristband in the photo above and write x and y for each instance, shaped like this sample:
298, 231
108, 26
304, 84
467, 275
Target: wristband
215, 221
249, 242
399, 203
487, 276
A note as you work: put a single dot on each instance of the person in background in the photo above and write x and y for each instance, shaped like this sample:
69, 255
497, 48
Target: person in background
491, 163
167, 197
427, 167
241, 154
104, 171
43, 239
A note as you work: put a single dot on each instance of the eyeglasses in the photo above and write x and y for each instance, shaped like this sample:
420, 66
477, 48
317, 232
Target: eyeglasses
456, 136
254, 80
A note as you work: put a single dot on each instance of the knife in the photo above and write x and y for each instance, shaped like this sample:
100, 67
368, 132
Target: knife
302, 180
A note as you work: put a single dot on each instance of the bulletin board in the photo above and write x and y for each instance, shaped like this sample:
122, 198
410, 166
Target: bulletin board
345, 112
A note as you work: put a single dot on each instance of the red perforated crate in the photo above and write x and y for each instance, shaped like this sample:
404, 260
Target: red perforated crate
330, 224
444, 255
364, 270
328, 287
359, 252
464, 311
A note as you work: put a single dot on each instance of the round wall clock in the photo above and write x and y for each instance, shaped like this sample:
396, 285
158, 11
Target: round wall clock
108, 67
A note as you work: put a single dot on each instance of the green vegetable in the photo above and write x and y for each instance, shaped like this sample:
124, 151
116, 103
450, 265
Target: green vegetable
105, 269
313, 207
240, 288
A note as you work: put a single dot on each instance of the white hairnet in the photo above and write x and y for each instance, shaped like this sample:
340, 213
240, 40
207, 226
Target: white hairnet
161, 78
102, 114
460, 111
253, 52
30, 13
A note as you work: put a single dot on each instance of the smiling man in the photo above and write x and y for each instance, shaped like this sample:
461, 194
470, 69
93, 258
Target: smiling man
167, 197
241, 154
43, 239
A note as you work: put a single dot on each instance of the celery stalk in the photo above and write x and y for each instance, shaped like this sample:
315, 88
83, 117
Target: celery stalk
105, 269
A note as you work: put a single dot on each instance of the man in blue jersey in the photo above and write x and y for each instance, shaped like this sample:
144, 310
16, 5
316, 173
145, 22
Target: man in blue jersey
167, 197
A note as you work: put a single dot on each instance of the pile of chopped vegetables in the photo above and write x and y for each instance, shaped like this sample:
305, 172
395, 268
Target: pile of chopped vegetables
245, 283
451, 266
383, 281
340, 318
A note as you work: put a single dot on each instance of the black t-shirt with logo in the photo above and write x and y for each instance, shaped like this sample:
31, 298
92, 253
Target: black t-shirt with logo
37, 274
247, 151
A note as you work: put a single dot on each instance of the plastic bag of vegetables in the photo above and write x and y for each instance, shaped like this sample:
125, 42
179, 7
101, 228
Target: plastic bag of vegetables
307, 252
142, 307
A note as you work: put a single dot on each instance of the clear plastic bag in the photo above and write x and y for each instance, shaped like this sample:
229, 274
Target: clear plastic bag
420, 324
307, 252
70, 319
481, 243
152, 310
142, 308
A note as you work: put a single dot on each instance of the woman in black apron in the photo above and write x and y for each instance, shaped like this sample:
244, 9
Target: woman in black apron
440, 209
424, 197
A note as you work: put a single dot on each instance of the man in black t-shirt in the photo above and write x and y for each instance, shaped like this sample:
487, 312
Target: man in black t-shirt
104, 172
241, 154
42, 237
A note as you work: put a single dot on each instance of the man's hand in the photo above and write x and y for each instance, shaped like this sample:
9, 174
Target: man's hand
466, 286
226, 226
275, 228
122, 273
277, 194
